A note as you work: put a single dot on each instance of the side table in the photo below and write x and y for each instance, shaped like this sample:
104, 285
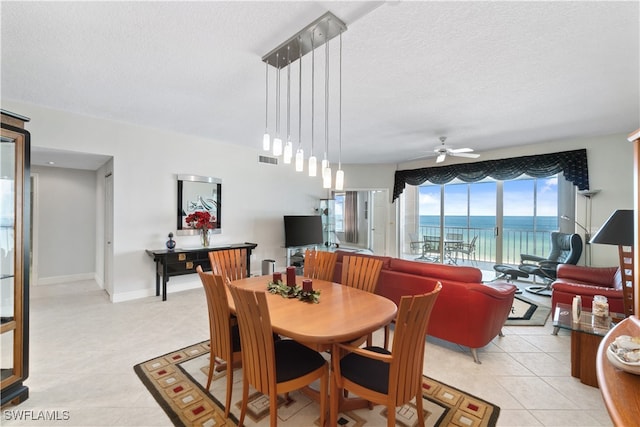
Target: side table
586, 335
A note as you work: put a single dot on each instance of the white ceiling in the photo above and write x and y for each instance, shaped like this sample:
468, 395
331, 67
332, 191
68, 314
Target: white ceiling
486, 74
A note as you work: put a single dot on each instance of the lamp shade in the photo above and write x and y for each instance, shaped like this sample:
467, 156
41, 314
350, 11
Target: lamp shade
617, 230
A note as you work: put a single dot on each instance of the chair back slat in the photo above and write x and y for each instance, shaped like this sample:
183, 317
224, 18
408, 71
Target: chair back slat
219, 314
229, 263
405, 371
361, 272
319, 264
256, 338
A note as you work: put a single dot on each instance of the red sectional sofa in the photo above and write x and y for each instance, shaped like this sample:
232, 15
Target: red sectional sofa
467, 311
587, 282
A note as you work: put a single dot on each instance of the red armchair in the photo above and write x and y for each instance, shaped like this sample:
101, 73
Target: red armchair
587, 282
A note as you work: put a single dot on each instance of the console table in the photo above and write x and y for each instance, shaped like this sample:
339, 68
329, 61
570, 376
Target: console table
184, 261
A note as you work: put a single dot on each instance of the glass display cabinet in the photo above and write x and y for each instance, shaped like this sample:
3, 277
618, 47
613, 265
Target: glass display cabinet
14, 257
327, 210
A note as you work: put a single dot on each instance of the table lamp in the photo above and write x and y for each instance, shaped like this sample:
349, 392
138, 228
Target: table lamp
618, 230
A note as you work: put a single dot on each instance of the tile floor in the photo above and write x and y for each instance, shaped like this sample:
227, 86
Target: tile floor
83, 349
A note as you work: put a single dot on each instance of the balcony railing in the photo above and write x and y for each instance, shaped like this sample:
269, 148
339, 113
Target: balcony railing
514, 242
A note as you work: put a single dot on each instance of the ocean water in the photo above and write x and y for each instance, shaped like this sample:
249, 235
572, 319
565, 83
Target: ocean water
542, 223
519, 234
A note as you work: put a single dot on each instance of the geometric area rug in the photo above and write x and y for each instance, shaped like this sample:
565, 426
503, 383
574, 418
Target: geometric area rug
176, 380
525, 312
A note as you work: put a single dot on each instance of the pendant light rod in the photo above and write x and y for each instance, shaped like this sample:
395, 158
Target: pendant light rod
300, 101
288, 96
266, 99
340, 106
301, 42
340, 173
313, 70
326, 97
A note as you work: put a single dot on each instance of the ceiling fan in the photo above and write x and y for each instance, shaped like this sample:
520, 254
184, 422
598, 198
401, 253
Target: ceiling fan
443, 151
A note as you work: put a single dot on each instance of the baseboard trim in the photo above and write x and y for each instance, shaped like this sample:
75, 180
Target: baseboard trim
145, 293
56, 280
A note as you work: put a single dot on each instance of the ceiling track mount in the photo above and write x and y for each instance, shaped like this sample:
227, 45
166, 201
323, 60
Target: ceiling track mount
310, 37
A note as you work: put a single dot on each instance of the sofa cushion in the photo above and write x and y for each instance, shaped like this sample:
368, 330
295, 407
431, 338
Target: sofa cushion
609, 277
436, 271
341, 254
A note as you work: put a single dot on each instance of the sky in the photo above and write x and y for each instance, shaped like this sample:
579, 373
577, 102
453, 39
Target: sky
518, 198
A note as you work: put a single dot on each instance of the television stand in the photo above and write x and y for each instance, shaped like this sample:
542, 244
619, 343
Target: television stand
293, 250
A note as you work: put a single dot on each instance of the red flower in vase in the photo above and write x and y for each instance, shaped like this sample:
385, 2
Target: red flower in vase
200, 220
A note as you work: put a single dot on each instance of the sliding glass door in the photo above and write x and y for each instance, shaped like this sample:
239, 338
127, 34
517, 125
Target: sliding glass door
502, 219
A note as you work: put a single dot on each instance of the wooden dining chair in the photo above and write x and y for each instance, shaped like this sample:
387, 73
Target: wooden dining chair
361, 272
388, 378
229, 263
273, 367
319, 264
224, 336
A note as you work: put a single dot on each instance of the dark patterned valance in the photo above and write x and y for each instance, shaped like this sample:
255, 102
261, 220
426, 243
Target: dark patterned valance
573, 165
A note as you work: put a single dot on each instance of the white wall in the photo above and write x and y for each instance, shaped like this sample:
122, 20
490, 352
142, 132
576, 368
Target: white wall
610, 161
66, 214
145, 163
255, 196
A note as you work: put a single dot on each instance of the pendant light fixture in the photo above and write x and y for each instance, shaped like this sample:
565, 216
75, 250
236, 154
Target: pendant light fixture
340, 172
318, 32
326, 169
277, 142
313, 162
266, 139
288, 147
300, 151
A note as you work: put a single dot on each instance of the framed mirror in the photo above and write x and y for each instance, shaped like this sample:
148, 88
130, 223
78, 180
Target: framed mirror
199, 194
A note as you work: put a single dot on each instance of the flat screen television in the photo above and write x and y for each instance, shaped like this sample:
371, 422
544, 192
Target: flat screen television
302, 230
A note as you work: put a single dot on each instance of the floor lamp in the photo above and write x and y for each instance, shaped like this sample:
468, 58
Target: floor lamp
618, 230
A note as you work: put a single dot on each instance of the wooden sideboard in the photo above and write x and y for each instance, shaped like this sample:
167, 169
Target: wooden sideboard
178, 262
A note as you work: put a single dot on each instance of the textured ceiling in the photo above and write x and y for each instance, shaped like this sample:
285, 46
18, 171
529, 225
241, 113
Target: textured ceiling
486, 74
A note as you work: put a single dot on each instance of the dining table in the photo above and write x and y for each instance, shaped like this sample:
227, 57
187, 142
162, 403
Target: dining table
343, 314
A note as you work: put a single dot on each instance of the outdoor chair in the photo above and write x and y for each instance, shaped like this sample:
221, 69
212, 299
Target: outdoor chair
383, 377
468, 249
430, 249
415, 243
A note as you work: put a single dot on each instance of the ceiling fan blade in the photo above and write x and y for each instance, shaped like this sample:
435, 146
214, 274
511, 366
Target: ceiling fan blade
418, 158
468, 155
440, 158
460, 150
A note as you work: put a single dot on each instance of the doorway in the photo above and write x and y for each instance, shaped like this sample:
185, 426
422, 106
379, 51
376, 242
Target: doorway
361, 218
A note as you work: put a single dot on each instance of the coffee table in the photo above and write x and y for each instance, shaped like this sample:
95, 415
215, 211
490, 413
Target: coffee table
586, 335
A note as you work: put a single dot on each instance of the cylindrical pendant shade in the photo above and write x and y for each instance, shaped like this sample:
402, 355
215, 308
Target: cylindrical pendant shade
288, 152
326, 178
299, 160
277, 146
313, 166
340, 180
266, 142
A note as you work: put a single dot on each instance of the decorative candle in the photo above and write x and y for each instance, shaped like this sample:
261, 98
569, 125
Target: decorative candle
277, 277
576, 308
291, 276
307, 285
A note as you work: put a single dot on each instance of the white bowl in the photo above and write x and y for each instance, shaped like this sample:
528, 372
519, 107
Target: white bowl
632, 368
